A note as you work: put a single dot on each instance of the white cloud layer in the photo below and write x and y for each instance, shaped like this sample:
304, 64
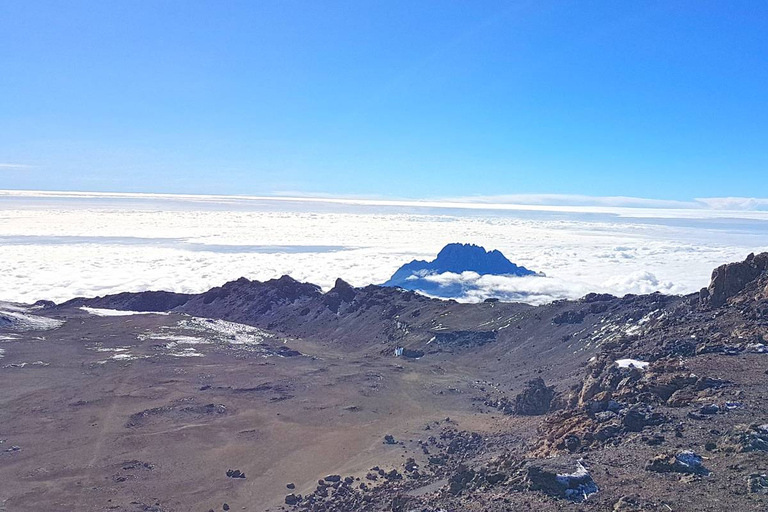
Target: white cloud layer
64, 245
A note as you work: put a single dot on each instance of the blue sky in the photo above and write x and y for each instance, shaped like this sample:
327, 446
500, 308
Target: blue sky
664, 99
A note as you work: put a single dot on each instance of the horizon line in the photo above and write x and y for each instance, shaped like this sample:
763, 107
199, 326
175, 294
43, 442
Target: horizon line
574, 203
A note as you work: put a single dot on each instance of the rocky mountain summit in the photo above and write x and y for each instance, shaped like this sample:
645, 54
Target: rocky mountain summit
379, 398
420, 275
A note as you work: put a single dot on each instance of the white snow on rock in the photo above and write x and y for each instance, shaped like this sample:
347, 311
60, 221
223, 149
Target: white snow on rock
579, 484
174, 339
22, 365
118, 312
230, 332
631, 363
693, 461
186, 352
123, 357
18, 319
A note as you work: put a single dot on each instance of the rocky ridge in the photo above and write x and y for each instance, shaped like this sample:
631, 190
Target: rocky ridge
672, 387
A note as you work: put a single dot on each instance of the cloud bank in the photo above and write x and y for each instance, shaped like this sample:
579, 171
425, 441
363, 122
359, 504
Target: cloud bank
57, 246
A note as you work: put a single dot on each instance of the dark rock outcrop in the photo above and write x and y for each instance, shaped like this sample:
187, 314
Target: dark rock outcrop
341, 293
731, 279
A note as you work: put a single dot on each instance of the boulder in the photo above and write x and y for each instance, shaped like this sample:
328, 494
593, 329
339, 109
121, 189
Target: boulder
460, 479
639, 417
535, 399
757, 483
551, 479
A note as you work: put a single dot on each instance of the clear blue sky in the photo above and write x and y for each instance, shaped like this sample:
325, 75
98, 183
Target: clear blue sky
662, 99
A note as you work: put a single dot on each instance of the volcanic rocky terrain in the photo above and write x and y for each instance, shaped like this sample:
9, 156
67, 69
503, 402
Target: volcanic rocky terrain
276, 396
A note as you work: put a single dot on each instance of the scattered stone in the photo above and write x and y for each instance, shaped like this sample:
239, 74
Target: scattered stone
757, 483
235, 473
604, 416
654, 440
682, 462
333, 478
627, 504
751, 438
572, 443
640, 416
606, 432
394, 475
388, 439
460, 479
292, 499
291, 485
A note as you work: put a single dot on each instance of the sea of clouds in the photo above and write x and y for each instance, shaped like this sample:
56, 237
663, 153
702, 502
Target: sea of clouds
61, 245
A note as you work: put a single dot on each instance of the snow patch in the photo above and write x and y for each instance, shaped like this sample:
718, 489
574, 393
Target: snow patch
22, 365
118, 312
631, 363
15, 320
186, 352
175, 339
229, 332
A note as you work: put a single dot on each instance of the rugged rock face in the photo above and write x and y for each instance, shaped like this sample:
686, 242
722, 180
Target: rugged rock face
731, 279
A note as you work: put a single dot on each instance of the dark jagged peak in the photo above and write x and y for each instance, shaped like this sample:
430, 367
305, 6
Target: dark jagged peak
342, 292
454, 258
748, 278
462, 257
458, 258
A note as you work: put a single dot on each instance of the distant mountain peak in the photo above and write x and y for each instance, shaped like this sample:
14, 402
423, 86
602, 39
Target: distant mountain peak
454, 258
